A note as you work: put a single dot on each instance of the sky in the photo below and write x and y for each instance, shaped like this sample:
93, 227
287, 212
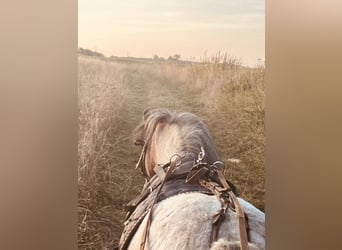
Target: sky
191, 28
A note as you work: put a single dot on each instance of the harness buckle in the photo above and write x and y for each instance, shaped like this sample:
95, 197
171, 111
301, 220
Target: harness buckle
177, 159
200, 155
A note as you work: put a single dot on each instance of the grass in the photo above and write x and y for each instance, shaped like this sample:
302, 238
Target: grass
101, 96
233, 106
112, 95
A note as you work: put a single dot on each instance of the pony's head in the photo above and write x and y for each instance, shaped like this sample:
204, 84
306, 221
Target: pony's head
163, 134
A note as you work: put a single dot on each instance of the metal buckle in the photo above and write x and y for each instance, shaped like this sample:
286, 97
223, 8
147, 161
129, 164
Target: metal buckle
200, 155
177, 159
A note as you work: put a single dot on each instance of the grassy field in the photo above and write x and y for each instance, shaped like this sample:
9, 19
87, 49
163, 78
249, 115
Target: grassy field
229, 98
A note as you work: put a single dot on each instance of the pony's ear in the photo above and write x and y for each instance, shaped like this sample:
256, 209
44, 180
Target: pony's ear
147, 113
138, 135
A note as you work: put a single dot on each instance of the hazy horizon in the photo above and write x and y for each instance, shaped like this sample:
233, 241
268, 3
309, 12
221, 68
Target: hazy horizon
190, 28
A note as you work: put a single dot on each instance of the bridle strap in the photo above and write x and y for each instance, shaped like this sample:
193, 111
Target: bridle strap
170, 170
141, 162
239, 213
193, 177
213, 179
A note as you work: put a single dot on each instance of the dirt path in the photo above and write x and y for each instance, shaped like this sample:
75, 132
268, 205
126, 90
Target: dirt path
147, 89
144, 88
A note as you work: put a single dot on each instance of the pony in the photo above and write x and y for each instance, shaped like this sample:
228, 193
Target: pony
185, 220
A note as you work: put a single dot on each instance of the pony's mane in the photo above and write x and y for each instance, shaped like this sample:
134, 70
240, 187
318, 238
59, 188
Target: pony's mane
193, 131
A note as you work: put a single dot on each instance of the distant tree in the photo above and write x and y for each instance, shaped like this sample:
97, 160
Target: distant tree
155, 57
89, 52
176, 57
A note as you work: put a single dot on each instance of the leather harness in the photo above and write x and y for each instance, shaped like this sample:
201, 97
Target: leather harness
181, 176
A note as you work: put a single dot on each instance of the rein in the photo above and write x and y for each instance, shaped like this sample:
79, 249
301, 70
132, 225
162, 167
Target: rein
212, 178
199, 173
141, 161
164, 177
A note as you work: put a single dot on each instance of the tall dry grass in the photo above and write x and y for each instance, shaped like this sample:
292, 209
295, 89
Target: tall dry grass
101, 96
233, 101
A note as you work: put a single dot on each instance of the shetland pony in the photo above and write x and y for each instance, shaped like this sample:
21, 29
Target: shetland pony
184, 221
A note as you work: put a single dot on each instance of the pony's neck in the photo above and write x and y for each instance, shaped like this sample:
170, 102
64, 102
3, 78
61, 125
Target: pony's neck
165, 142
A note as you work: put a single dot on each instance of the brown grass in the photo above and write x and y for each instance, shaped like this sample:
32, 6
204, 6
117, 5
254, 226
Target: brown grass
101, 96
233, 99
227, 96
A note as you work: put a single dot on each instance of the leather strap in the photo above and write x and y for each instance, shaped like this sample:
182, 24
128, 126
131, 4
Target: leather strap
220, 187
200, 173
172, 167
159, 170
239, 213
217, 220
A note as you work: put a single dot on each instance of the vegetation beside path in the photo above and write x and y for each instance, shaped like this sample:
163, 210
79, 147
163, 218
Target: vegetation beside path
112, 96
